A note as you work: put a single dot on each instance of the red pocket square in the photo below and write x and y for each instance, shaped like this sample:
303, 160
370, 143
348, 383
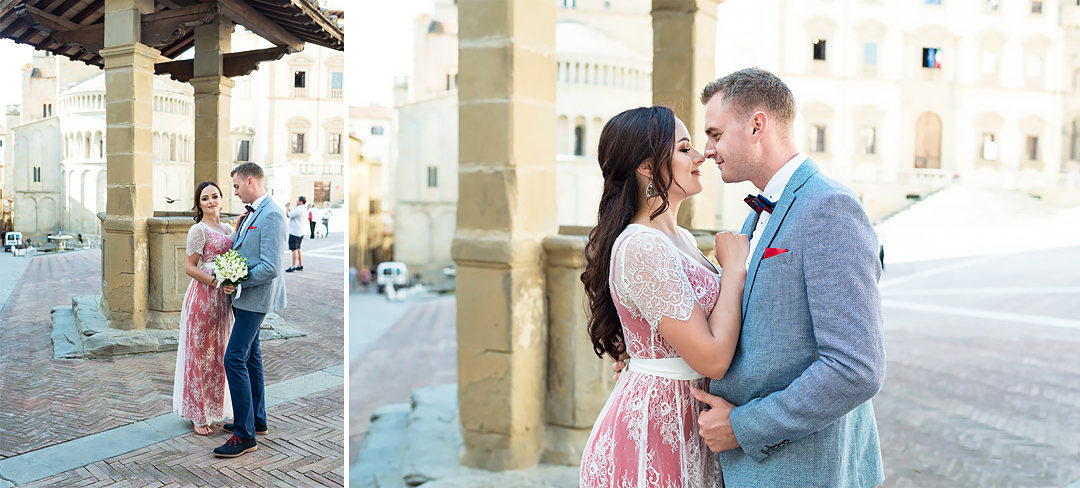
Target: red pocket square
772, 251
252, 227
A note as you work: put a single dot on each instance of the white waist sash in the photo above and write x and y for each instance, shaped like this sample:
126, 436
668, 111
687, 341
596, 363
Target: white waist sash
671, 368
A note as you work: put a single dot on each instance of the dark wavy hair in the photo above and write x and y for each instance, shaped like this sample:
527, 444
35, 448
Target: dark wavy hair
198, 193
636, 136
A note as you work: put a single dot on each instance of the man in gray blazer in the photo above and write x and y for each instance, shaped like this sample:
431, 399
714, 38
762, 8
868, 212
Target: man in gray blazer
794, 408
260, 238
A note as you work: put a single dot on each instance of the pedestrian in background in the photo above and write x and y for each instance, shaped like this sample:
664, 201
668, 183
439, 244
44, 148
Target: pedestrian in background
296, 232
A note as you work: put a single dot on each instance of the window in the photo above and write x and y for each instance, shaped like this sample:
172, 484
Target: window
37, 174
1036, 7
300, 79
993, 5
335, 144
243, 151
819, 49
374, 206
376, 130
579, 140
337, 84
869, 54
432, 177
1032, 149
46, 110
933, 2
989, 147
931, 58
819, 138
869, 140
298, 143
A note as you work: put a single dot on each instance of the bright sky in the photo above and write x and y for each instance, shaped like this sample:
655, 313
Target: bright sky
379, 47
12, 58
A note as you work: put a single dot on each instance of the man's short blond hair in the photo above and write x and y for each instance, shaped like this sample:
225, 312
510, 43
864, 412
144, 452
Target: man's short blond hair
248, 170
754, 89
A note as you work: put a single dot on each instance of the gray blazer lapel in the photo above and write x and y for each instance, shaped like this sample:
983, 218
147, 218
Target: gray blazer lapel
749, 224
248, 222
776, 219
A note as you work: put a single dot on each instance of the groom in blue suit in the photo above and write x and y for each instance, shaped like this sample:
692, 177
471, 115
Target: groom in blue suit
260, 238
794, 408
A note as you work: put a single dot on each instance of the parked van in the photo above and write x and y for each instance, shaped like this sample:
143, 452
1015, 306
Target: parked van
392, 273
12, 240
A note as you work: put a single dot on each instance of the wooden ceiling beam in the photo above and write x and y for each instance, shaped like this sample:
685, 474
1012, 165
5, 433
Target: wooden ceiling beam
245, 15
233, 64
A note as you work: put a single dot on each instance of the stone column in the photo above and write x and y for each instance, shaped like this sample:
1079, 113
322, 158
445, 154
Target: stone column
506, 206
213, 139
129, 81
684, 50
578, 382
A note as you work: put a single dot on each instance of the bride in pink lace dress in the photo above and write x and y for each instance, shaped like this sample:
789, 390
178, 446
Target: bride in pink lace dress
654, 297
200, 391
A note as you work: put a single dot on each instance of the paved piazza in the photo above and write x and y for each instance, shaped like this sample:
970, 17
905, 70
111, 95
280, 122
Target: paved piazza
71, 406
983, 381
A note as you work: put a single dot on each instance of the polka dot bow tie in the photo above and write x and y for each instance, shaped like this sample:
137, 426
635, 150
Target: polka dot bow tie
759, 202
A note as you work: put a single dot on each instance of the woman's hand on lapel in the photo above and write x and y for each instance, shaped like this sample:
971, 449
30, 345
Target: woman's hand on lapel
240, 220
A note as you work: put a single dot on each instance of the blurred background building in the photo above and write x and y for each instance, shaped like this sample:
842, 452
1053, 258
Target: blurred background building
604, 67
898, 99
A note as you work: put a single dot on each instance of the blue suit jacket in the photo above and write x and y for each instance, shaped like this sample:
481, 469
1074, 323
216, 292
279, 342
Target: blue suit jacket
810, 354
261, 240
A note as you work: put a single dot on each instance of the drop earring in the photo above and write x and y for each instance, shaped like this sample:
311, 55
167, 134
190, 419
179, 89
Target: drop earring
650, 191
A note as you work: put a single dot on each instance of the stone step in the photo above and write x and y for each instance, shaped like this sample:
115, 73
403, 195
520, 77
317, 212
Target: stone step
378, 464
420, 444
433, 439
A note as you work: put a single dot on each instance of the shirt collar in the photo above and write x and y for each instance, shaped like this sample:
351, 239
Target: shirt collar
258, 201
780, 179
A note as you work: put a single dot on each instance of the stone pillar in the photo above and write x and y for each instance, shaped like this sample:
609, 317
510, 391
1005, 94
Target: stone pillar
578, 382
506, 206
129, 81
213, 139
684, 50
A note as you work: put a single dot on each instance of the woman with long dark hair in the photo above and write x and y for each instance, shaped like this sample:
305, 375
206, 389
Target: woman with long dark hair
200, 390
656, 298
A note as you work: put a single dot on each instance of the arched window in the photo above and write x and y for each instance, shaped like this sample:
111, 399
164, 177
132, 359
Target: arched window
579, 140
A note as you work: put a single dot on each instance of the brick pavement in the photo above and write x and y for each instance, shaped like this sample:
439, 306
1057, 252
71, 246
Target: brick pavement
46, 401
419, 350
304, 448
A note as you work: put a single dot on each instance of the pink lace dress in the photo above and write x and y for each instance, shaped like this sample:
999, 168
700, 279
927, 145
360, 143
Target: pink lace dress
200, 391
646, 434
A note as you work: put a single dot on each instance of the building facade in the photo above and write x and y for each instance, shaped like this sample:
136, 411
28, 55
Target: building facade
897, 99
603, 50
288, 116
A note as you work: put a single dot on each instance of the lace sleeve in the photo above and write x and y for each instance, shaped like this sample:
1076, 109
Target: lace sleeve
649, 275
196, 240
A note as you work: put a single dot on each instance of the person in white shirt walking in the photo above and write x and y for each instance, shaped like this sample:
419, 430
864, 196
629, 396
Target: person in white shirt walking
296, 232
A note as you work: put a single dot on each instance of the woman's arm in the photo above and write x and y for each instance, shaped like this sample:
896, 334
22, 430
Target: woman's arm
708, 345
191, 267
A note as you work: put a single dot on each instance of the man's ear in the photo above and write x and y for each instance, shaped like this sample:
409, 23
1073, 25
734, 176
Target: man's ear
758, 124
645, 169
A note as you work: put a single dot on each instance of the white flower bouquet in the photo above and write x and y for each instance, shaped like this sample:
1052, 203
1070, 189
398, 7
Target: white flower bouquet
230, 268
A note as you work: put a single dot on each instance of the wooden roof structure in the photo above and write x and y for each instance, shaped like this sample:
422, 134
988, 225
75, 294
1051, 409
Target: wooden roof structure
75, 28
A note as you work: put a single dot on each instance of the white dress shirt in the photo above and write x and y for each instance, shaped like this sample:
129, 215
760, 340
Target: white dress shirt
774, 189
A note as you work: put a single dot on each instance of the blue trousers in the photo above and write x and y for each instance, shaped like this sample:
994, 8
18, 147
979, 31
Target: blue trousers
244, 370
